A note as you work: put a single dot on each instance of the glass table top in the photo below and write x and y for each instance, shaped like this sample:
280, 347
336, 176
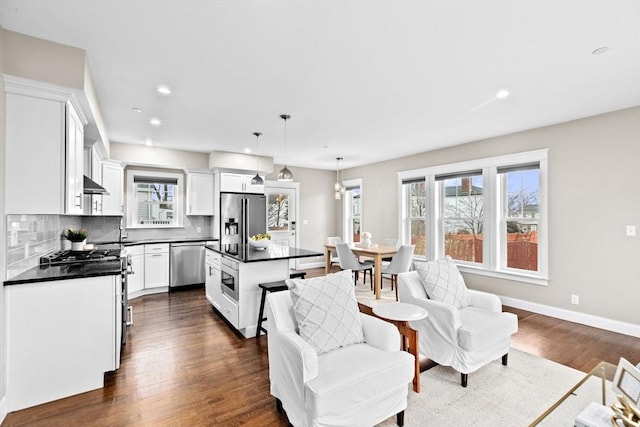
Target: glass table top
594, 387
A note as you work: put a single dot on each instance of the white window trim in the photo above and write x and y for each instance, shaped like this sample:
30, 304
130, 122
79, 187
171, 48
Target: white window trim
131, 198
491, 250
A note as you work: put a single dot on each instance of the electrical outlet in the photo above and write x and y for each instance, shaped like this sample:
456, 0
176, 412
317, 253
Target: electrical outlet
575, 299
198, 229
631, 230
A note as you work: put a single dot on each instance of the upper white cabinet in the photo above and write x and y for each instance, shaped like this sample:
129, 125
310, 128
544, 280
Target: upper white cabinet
113, 182
74, 170
93, 170
43, 169
239, 183
199, 193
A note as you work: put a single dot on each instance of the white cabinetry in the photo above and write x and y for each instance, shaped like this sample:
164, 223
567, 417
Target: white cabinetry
61, 338
199, 193
135, 281
92, 169
156, 266
238, 183
74, 167
243, 314
213, 278
35, 155
113, 182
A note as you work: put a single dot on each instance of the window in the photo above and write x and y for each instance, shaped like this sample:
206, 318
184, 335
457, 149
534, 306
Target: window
278, 212
414, 194
520, 217
462, 215
153, 199
352, 210
487, 214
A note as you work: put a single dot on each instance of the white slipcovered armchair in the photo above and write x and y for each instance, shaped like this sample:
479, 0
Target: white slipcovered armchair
465, 338
357, 385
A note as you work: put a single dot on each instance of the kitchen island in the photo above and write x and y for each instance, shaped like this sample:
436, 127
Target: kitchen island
233, 273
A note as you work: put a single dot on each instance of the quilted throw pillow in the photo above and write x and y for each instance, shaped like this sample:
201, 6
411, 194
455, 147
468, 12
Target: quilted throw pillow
327, 311
443, 282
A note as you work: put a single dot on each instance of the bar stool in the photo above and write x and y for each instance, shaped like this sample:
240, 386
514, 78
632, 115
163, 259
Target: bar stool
297, 274
278, 286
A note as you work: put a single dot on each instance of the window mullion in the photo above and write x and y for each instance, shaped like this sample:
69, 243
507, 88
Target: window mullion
435, 246
491, 219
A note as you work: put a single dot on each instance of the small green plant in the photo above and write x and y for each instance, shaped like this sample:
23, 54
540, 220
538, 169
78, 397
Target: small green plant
77, 235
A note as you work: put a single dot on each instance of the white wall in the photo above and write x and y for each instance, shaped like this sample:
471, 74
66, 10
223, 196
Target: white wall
594, 175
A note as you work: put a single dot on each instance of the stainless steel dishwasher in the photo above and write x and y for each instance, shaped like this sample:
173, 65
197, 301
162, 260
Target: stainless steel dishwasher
186, 264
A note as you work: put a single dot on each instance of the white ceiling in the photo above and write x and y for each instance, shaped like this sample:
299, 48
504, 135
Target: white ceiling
365, 80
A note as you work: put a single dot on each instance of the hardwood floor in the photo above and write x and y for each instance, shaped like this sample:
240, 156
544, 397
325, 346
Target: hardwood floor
183, 366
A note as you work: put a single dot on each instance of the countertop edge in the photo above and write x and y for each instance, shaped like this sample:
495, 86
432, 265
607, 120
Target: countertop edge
11, 282
246, 261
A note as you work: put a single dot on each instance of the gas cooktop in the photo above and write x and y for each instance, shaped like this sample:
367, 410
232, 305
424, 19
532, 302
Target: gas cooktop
76, 257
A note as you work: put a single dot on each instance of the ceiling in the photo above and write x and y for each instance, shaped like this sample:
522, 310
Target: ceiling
364, 80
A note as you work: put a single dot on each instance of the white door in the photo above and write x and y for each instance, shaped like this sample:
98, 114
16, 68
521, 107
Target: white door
282, 213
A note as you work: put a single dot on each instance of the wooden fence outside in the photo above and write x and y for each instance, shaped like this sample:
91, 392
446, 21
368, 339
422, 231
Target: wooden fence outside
522, 249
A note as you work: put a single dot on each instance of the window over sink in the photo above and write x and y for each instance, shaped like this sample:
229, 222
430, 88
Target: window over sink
154, 199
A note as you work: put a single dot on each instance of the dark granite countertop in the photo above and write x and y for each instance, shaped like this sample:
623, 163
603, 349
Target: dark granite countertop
246, 253
69, 271
128, 242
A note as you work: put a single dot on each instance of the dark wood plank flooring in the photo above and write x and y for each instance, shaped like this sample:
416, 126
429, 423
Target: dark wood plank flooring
183, 366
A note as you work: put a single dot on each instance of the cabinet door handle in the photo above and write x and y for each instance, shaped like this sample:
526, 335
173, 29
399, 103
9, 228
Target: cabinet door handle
79, 204
156, 255
130, 317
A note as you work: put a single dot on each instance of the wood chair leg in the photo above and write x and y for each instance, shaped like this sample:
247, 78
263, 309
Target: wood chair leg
505, 359
400, 418
463, 379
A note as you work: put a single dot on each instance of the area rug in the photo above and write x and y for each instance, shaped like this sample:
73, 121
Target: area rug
497, 395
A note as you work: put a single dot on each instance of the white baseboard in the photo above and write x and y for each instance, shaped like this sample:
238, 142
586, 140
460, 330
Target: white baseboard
574, 316
3, 408
310, 265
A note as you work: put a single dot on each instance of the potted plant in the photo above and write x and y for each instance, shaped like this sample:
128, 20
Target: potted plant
77, 237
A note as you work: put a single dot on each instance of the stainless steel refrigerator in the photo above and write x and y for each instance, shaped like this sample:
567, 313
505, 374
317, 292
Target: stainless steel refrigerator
241, 215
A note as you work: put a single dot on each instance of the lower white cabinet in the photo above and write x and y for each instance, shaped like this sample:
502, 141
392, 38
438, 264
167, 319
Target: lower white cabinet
213, 278
61, 338
135, 281
156, 266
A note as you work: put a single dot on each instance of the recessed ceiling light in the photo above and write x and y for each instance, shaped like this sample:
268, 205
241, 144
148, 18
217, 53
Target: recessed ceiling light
164, 90
136, 110
600, 50
148, 142
502, 94
155, 121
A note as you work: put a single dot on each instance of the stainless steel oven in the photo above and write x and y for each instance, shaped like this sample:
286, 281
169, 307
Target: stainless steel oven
229, 280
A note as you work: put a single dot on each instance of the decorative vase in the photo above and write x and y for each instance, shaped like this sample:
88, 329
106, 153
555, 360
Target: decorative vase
78, 246
366, 242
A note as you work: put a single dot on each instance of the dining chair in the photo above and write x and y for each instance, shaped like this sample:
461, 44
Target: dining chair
400, 263
349, 261
389, 242
334, 256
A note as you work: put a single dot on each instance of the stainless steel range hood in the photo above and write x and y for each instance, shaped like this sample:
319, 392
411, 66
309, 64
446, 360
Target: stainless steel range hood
92, 187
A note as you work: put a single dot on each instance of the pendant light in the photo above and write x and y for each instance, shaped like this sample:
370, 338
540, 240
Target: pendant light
257, 180
285, 174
